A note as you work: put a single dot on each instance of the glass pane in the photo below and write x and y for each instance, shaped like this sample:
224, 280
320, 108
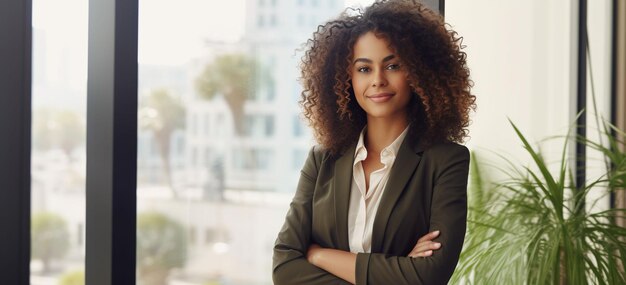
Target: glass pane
58, 146
221, 142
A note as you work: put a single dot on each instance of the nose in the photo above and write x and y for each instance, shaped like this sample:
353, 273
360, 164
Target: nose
379, 79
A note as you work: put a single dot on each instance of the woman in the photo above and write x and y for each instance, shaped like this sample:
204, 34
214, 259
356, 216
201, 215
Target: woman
388, 95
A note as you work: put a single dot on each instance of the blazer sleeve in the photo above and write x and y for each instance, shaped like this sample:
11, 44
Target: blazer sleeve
448, 214
290, 265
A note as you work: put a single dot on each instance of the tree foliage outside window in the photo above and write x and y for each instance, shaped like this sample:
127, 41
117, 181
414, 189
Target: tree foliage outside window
49, 238
61, 129
161, 114
234, 76
73, 278
161, 246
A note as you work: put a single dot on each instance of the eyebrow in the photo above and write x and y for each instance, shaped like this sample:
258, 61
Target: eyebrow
367, 60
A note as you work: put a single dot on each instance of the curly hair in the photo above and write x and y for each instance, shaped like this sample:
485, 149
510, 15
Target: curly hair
438, 74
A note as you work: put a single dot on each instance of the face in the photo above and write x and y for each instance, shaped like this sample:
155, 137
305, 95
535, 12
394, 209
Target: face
379, 79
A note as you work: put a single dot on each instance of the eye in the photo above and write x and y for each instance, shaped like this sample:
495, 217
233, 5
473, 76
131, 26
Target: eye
363, 69
393, 66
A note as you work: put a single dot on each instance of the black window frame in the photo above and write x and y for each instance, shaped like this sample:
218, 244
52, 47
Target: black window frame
111, 182
15, 144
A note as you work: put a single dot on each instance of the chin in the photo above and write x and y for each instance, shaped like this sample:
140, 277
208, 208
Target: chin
380, 113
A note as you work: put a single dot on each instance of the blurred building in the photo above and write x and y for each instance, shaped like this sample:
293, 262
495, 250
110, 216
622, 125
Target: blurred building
269, 154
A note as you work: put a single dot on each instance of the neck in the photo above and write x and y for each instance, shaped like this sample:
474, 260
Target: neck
381, 132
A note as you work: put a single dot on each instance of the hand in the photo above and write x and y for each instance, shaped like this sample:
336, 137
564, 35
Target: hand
310, 254
425, 245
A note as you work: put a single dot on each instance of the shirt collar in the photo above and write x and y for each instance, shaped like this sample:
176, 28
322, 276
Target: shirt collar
390, 151
394, 147
360, 153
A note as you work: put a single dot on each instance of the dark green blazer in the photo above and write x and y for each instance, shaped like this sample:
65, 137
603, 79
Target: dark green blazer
426, 191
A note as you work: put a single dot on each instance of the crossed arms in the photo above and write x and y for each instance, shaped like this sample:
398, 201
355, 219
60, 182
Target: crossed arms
296, 255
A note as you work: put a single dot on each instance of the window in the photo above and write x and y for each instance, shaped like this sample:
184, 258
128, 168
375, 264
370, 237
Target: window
260, 21
253, 159
300, 19
299, 156
207, 124
259, 125
220, 125
194, 156
297, 126
236, 148
58, 155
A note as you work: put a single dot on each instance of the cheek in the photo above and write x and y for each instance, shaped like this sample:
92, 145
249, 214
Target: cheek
359, 98
404, 82
357, 91
405, 89
357, 86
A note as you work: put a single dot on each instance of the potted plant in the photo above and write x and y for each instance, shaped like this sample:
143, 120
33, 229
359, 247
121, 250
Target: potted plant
533, 228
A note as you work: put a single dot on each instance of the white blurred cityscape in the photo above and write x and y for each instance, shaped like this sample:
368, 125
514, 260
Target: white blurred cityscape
229, 190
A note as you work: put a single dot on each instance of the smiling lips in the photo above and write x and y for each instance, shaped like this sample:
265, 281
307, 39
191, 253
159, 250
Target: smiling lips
380, 97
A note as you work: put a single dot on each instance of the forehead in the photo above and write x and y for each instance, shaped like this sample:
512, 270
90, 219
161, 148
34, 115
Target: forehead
372, 46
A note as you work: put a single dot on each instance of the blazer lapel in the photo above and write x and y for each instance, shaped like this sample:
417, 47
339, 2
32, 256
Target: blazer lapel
403, 168
342, 186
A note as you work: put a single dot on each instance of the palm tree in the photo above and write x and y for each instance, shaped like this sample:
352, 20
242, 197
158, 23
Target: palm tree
72, 131
58, 129
162, 114
233, 76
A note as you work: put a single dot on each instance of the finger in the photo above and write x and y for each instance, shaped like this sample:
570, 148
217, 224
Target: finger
425, 253
422, 254
421, 247
424, 246
429, 236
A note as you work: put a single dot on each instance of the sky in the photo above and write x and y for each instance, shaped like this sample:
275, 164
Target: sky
160, 24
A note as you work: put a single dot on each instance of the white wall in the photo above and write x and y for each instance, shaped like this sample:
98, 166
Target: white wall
522, 56
519, 53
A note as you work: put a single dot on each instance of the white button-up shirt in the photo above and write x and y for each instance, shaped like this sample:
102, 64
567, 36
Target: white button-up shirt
364, 202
